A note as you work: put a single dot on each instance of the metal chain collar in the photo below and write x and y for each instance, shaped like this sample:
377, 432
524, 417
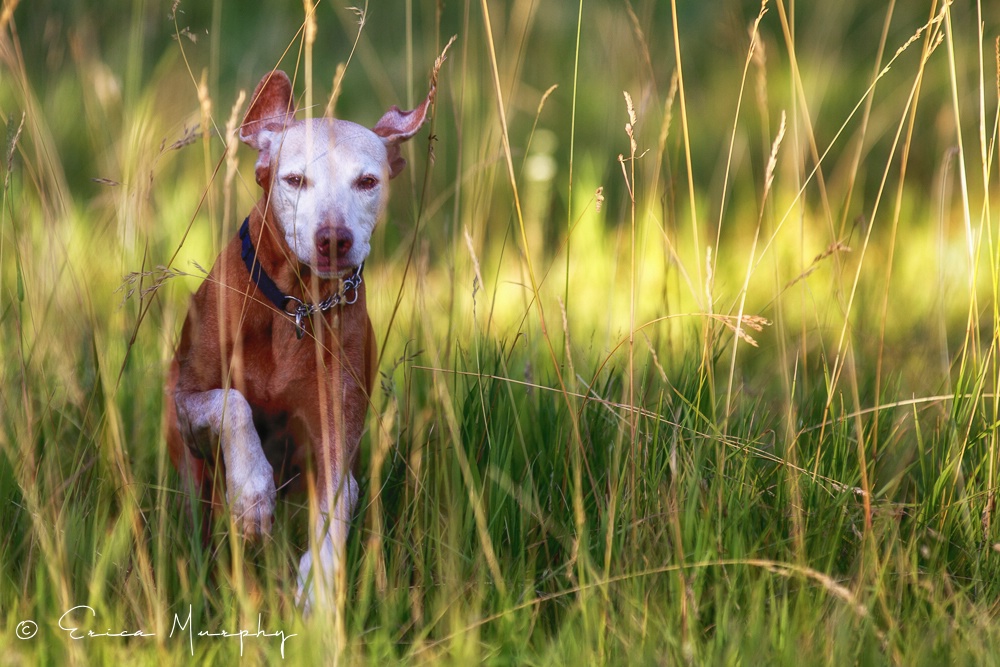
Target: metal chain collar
348, 294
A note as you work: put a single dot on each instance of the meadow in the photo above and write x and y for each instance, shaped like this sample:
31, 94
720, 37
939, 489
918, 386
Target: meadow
687, 315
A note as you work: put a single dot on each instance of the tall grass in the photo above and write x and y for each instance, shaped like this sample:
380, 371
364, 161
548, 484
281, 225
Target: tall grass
702, 373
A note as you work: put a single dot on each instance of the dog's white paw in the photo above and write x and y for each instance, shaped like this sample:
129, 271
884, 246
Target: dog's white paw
251, 495
306, 595
317, 578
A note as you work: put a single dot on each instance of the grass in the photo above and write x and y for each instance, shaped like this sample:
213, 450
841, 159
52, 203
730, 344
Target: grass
716, 386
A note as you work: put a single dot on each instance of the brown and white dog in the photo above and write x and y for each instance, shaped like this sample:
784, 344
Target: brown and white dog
271, 379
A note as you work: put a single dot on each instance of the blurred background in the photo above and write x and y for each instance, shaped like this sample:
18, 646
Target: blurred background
739, 374
127, 104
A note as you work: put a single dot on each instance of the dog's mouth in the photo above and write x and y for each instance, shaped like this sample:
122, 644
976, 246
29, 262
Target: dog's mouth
326, 268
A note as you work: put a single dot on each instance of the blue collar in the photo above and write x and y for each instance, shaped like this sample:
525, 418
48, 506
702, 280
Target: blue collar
263, 281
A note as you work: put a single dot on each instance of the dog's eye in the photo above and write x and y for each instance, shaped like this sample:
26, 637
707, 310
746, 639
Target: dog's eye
295, 180
366, 182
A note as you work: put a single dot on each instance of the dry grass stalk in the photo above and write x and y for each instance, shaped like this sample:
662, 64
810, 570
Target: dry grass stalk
835, 247
12, 148
232, 155
630, 126
758, 55
709, 275
566, 338
439, 61
338, 77
338, 82
541, 103
772, 161
655, 358
736, 324
478, 280
159, 275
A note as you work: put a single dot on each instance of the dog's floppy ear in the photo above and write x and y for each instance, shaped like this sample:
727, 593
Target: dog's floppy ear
272, 108
397, 126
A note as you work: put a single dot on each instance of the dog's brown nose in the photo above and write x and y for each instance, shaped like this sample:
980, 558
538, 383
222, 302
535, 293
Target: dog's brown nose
326, 236
323, 242
345, 239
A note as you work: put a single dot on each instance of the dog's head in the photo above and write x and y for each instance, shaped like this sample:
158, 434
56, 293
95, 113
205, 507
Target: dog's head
325, 180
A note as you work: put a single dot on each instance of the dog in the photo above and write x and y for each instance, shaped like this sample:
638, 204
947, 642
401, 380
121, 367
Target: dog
270, 382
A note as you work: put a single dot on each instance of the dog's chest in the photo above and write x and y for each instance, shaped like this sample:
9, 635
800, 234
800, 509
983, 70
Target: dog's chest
279, 371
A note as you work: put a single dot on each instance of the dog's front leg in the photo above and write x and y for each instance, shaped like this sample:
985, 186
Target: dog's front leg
226, 417
320, 565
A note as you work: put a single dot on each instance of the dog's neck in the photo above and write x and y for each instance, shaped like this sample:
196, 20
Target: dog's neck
292, 277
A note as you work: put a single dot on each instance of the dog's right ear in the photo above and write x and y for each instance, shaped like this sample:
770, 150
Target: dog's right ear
272, 109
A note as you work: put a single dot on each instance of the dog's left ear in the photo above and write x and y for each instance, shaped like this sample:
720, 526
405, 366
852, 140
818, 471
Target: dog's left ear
397, 126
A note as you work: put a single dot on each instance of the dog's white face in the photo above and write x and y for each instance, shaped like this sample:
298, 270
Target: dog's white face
328, 190
326, 180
